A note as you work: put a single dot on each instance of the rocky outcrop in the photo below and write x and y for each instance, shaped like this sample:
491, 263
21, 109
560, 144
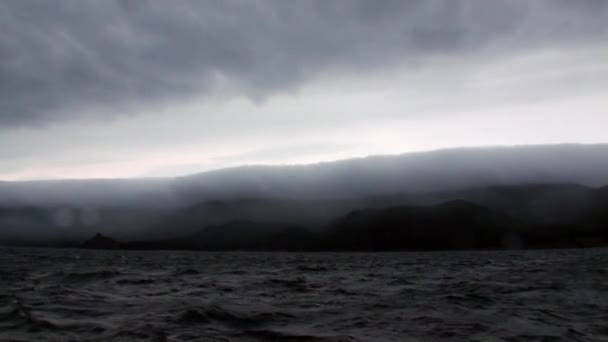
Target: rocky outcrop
100, 241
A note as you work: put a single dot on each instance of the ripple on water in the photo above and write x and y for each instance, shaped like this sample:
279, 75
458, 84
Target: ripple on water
51, 295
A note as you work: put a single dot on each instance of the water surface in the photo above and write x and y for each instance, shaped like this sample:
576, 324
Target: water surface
82, 295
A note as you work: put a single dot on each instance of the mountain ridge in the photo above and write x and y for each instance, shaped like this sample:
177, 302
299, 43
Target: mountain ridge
451, 225
547, 184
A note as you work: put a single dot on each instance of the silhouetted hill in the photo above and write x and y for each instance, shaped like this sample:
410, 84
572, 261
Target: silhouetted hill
534, 203
238, 235
456, 224
526, 222
251, 236
220, 212
308, 195
518, 216
101, 242
451, 225
594, 220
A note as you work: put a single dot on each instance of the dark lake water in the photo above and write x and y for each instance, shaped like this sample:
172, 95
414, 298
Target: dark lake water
80, 295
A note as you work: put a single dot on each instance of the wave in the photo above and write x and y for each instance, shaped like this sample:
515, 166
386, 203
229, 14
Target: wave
223, 315
18, 316
90, 276
274, 335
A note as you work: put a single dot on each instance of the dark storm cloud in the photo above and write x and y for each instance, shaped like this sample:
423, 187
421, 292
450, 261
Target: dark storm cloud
59, 57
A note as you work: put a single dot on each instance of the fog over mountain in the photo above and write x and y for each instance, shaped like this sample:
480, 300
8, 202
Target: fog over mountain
435, 171
309, 196
147, 121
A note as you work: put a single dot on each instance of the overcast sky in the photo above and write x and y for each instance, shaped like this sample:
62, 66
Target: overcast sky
112, 88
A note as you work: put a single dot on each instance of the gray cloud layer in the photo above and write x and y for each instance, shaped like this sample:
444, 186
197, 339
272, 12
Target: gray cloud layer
61, 56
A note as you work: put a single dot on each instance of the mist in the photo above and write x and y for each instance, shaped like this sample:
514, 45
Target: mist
311, 196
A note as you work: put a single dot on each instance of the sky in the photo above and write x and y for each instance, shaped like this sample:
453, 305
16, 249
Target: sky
147, 88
